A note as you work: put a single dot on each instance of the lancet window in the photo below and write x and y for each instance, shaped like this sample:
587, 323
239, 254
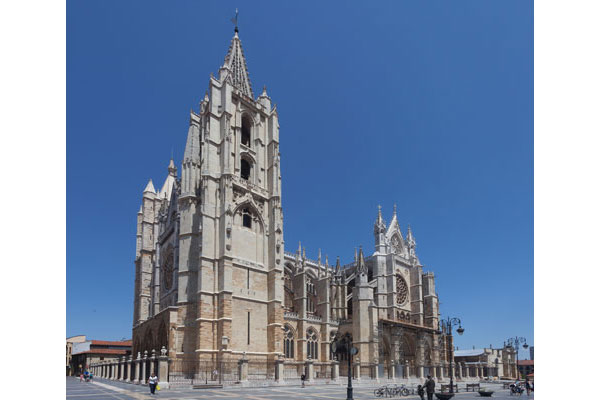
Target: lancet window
246, 130
312, 351
311, 296
288, 342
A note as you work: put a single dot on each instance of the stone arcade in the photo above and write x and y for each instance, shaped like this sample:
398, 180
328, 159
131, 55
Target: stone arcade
215, 287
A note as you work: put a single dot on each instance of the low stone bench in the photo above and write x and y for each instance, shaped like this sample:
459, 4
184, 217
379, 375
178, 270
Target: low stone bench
472, 386
446, 388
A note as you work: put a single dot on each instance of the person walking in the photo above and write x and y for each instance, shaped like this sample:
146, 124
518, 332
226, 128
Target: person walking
429, 387
152, 382
421, 392
527, 385
303, 378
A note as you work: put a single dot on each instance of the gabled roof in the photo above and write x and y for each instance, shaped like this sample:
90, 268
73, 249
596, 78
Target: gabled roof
112, 343
236, 63
468, 353
525, 362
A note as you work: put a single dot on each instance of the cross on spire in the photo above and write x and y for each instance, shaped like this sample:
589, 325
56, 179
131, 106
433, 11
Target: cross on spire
235, 20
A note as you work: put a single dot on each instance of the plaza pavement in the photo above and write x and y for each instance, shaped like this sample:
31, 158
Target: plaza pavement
104, 389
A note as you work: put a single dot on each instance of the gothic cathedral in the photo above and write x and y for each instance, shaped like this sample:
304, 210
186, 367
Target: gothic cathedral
213, 281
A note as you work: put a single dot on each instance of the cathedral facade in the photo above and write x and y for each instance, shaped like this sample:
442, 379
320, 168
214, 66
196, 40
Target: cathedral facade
213, 281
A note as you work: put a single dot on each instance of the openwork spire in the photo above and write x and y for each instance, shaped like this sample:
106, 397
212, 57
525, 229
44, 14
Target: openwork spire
235, 62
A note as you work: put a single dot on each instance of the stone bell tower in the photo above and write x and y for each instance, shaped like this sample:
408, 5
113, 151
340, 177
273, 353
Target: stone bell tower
231, 229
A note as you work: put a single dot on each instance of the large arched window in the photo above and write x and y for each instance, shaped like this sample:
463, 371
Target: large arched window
246, 130
245, 168
167, 268
312, 351
288, 342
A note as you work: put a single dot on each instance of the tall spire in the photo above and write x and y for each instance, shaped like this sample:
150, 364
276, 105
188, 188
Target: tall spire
235, 62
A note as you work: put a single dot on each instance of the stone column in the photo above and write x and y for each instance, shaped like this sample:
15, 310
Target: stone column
442, 372
421, 372
128, 369
459, 371
309, 369
356, 366
121, 369
335, 370
375, 371
163, 369
144, 359
392, 373
406, 370
153, 362
138, 364
433, 372
279, 369
243, 369
481, 372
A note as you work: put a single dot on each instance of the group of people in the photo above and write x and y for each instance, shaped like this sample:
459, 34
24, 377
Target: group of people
429, 388
86, 376
516, 388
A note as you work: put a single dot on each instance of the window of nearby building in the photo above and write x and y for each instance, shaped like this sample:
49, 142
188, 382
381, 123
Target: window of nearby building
288, 342
311, 344
246, 124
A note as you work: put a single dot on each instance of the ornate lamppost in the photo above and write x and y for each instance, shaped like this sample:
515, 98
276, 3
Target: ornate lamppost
344, 346
515, 343
446, 328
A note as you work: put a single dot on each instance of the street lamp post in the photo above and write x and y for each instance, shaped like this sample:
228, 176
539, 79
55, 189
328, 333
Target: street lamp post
515, 343
446, 328
344, 346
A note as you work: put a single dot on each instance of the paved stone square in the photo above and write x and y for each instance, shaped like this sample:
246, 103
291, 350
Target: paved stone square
103, 389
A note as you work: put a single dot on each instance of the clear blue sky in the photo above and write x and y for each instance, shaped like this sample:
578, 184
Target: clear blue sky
427, 105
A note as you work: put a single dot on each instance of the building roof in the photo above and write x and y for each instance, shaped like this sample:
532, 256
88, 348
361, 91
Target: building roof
468, 353
525, 362
111, 343
105, 351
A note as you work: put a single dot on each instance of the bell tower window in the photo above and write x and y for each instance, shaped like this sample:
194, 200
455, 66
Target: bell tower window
246, 218
245, 169
246, 124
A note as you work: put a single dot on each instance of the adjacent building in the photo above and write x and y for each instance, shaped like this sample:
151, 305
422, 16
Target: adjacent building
214, 283
487, 363
70, 341
525, 368
93, 351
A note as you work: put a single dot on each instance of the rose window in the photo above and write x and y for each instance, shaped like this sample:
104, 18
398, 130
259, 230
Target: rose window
401, 290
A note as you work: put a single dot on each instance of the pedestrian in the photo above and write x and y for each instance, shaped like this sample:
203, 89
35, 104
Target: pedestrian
527, 385
421, 392
430, 387
152, 382
303, 378
81, 377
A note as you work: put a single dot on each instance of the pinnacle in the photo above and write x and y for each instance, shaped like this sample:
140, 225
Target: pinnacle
150, 187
